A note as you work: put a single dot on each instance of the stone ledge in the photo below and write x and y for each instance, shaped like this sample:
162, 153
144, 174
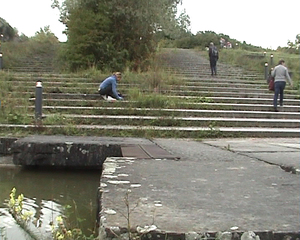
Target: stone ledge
64, 151
5, 145
110, 234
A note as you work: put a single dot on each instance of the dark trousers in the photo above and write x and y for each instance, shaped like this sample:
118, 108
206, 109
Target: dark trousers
107, 92
213, 66
278, 90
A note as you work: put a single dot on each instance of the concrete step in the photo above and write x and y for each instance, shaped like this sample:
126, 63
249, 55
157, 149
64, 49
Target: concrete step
268, 98
172, 112
260, 100
221, 75
228, 93
32, 69
186, 80
92, 93
212, 122
154, 131
183, 91
184, 85
254, 106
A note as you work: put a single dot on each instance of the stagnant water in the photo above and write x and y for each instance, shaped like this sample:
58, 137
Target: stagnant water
48, 194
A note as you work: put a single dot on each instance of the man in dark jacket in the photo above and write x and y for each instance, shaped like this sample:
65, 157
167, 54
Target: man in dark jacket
213, 58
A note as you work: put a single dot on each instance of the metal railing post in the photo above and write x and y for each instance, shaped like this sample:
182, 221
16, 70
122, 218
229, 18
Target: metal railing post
271, 60
266, 71
38, 100
1, 65
1, 57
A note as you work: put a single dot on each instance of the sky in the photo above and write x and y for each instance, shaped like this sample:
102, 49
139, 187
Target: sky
265, 23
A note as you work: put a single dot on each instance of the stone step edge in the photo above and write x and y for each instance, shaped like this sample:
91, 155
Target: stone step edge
187, 81
251, 95
253, 105
106, 232
267, 120
183, 88
297, 101
191, 129
170, 110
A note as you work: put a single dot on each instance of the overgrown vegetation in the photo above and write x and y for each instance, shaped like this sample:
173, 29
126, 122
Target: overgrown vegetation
18, 51
255, 60
9, 100
202, 39
61, 226
21, 216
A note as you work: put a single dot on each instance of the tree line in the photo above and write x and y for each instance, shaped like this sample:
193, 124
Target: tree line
113, 34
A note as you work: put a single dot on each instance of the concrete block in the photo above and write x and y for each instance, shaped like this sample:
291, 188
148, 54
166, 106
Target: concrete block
63, 151
5, 145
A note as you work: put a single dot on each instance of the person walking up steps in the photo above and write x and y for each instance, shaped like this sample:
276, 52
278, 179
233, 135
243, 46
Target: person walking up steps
108, 88
280, 74
213, 58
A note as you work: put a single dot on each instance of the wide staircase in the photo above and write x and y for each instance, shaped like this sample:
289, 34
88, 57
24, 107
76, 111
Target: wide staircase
42, 61
235, 103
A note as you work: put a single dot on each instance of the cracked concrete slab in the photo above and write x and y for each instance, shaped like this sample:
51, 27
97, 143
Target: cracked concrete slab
209, 189
278, 151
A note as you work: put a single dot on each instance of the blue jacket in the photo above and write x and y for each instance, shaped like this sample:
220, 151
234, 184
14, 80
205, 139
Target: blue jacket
110, 82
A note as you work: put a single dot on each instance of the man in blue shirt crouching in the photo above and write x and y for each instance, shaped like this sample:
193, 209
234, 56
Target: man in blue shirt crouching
108, 88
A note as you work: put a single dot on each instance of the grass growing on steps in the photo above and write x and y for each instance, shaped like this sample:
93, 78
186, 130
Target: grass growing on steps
255, 61
10, 112
16, 107
144, 90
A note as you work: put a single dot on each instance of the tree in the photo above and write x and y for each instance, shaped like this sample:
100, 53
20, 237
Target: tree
6, 30
110, 33
297, 40
45, 35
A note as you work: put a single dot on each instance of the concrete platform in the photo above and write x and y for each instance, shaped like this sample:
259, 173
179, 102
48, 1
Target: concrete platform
78, 152
187, 189
224, 185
